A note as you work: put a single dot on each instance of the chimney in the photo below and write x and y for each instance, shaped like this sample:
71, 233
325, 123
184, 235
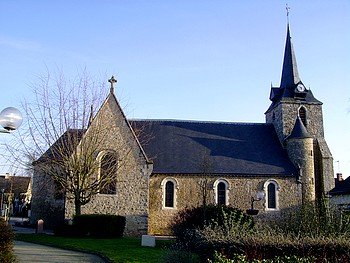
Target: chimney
339, 177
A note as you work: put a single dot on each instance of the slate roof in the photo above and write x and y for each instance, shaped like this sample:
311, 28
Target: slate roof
68, 140
180, 147
185, 147
341, 187
290, 74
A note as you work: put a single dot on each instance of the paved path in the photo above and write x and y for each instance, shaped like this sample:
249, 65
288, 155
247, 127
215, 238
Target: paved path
29, 252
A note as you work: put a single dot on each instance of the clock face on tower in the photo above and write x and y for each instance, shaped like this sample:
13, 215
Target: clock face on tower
300, 88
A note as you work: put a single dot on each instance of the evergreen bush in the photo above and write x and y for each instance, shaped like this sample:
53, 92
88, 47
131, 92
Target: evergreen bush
94, 225
6, 242
100, 225
66, 230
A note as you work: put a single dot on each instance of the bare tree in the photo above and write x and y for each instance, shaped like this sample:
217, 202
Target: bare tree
206, 167
61, 135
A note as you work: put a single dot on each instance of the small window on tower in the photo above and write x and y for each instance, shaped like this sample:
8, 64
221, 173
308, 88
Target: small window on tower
302, 115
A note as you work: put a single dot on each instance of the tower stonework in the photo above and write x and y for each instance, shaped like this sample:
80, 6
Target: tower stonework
292, 101
300, 148
283, 116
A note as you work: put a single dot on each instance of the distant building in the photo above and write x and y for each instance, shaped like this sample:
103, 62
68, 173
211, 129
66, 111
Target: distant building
15, 193
340, 194
188, 163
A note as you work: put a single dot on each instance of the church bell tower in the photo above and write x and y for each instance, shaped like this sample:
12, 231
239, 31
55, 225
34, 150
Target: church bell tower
292, 103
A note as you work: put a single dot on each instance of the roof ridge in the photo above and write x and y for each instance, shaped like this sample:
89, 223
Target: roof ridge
200, 121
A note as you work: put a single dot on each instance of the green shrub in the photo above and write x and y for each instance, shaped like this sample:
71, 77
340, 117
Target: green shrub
6, 245
227, 218
219, 258
315, 230
65, 230
178, 255
272, 245
100, 225
189, 225
315, 220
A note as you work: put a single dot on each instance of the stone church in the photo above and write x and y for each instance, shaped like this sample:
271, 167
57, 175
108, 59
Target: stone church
189, 163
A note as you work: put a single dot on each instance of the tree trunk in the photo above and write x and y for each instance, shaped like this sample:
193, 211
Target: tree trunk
77, 205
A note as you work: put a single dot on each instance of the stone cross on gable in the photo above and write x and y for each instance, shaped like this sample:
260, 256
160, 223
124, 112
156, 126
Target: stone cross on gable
112, 80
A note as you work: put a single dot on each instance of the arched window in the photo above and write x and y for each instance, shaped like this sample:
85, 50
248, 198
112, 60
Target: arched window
108, 172
271, 189
302, 115
221, 189
169, 187
271, 196
169, 194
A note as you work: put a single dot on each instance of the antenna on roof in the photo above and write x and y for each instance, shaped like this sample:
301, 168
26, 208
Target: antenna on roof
112, 80
338, 162
288, 10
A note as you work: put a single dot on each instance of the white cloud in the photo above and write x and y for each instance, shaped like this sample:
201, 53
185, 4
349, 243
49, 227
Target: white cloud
19, 44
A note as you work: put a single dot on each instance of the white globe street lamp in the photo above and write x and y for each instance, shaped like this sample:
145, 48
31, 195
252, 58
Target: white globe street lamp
10, 119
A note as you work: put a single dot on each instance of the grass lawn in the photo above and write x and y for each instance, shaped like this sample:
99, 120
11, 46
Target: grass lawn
117, 250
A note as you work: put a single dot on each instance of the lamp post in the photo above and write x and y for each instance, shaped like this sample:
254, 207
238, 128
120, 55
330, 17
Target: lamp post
10, 119
2, 201
259, 196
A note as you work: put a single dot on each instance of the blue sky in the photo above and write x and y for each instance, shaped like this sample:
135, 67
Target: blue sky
184, 59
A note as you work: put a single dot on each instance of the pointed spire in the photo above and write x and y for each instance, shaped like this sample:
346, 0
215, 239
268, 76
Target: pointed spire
299, 131
290, 75
290, 78
112, 80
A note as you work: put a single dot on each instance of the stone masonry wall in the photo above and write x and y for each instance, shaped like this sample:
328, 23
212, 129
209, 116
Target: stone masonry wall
286, 114
44, 205
326, 160
131, 198
189, 194
283, 117
301, 153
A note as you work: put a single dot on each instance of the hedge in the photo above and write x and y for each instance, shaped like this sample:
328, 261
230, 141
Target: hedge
6, 245
261, 246
94, 225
